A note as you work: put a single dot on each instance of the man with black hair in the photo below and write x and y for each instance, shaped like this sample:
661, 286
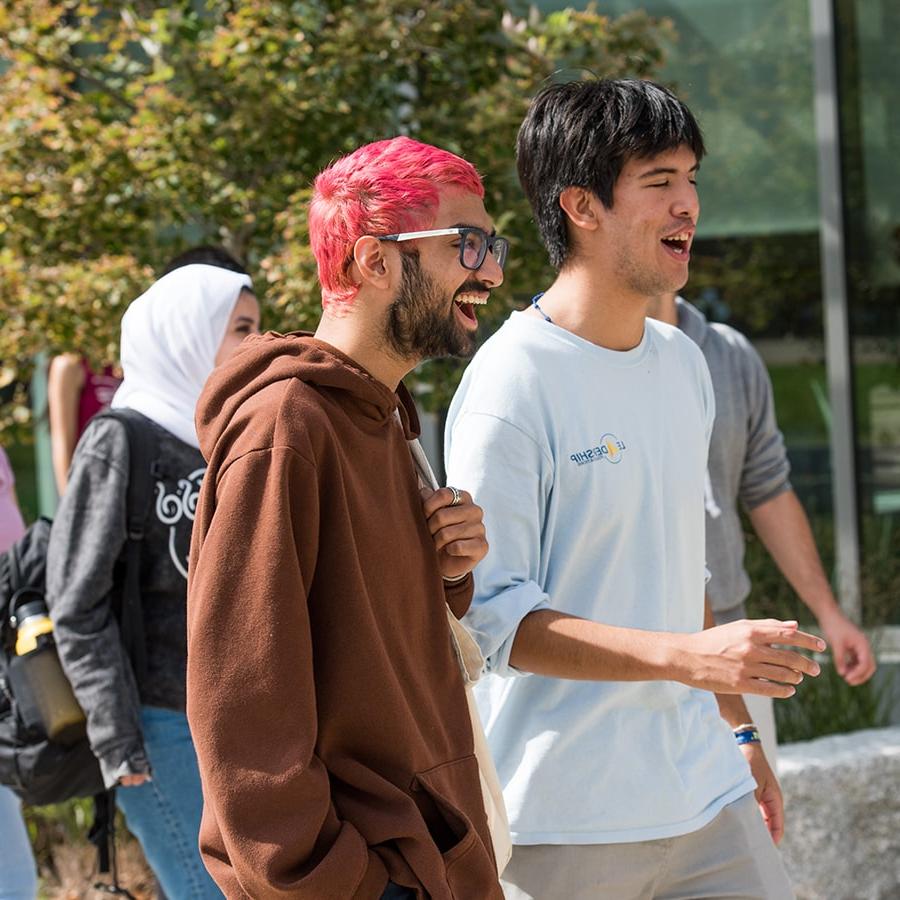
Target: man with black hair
583, 434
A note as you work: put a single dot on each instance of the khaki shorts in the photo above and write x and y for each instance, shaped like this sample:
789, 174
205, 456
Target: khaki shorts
732, 857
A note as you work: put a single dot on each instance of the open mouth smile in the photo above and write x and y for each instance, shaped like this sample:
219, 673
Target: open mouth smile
678, 245
465, 304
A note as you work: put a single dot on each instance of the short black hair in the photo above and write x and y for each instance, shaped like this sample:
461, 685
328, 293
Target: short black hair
582, 133
208, 255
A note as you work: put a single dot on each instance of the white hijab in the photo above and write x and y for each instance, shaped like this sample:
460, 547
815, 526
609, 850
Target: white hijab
170, 337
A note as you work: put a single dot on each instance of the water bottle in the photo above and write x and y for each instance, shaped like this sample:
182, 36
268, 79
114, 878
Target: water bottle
38, 666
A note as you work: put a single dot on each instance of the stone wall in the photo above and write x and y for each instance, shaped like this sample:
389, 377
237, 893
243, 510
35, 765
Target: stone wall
842, 806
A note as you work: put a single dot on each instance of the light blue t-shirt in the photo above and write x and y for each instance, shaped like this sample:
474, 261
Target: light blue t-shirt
590, 465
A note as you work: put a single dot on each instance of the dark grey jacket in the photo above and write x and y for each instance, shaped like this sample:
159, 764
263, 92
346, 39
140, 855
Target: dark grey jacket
747, 457
86, 542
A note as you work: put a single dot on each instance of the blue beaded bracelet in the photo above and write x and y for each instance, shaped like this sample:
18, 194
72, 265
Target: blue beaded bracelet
747, 734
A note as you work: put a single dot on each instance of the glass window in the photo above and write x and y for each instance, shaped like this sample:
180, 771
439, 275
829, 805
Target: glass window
746, 70
869, 69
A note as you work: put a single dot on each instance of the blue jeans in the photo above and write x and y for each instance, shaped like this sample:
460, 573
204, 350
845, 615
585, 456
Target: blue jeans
18, 874
396, 892
164, 814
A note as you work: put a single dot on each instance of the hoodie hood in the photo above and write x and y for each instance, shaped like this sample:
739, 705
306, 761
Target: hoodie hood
691, 321
266, 359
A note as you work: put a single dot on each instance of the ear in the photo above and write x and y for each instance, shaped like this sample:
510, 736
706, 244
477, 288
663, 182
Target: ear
370, 263
581, 206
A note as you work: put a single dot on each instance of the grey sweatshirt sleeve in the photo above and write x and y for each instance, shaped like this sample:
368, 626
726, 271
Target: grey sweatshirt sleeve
766, 468
87, 538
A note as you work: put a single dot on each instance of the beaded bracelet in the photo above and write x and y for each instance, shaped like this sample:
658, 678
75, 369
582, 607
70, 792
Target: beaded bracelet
747, 734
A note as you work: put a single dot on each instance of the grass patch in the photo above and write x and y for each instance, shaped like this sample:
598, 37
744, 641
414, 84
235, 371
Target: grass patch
828, 705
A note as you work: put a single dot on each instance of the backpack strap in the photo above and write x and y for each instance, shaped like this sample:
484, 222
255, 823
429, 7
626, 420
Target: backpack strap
103, 836
142, 454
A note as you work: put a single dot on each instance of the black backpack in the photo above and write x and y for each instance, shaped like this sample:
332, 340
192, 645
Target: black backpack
37, 769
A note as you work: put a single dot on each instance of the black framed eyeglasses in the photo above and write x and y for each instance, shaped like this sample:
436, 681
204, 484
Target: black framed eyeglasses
474, 244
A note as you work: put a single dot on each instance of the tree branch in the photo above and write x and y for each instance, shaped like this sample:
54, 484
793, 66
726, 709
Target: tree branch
76, 70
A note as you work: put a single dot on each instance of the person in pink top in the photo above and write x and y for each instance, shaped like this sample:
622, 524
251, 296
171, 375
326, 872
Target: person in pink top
18, 872
12, 526
75, 393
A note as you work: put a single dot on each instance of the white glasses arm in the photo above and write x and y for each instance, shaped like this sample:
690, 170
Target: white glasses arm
411, 235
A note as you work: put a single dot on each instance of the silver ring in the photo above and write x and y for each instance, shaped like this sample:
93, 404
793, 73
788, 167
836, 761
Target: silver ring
457, 496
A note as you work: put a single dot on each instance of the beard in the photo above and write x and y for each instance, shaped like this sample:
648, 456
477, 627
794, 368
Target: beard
644, 281
419, 324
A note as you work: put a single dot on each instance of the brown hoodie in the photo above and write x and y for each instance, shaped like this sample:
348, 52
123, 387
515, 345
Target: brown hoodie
324, 697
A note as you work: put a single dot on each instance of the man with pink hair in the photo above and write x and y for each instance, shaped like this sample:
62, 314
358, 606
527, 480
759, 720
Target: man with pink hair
324, 692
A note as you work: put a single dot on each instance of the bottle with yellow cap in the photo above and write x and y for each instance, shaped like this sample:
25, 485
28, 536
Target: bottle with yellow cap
38, 665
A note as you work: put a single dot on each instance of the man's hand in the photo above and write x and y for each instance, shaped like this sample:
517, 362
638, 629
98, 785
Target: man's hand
740, 658
768, 791
853, 657
783, 527
457, 529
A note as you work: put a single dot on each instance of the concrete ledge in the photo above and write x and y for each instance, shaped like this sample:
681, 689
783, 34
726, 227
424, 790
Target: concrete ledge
842, 801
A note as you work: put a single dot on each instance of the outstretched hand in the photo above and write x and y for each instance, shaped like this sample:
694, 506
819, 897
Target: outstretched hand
742, 658
457, 529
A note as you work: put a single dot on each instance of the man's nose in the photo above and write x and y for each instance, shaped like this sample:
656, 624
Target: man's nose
687, 204
490, 272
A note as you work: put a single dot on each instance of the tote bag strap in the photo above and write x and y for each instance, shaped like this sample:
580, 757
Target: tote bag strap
471, 664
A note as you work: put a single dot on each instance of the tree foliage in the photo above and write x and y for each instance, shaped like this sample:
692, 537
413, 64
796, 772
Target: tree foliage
129, 131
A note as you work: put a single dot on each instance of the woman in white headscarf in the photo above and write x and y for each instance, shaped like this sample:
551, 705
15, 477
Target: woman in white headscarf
173, 336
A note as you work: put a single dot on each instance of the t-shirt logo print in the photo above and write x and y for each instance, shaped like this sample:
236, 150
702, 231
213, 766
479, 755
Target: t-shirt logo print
173, 508
609, 447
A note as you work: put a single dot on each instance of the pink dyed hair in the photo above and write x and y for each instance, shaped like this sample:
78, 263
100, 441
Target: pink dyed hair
382, 188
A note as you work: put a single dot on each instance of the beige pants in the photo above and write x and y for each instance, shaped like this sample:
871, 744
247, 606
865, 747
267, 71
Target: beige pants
733, 857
